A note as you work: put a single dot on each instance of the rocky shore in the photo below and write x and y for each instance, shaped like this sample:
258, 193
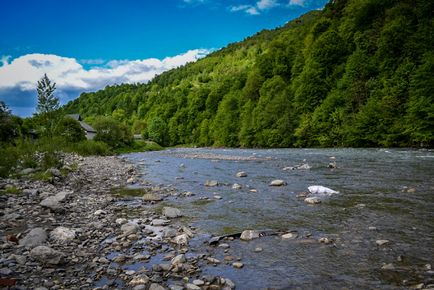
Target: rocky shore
69, 231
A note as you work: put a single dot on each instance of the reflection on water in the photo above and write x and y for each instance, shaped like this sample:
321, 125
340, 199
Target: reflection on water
391, 190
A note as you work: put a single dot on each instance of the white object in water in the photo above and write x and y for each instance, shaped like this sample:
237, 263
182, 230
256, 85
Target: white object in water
318, 189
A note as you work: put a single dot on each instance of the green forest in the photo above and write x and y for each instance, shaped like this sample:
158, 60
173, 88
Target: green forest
357, 73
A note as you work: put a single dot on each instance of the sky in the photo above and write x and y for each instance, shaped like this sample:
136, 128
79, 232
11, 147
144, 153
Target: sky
85, 45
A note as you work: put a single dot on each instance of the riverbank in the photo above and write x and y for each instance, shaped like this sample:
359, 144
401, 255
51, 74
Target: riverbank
70, 232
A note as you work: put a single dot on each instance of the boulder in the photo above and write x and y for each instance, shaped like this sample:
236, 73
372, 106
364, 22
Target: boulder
312, 200
248, 235
237, 265
47, 255
178, 260
241, 174
181, 240
160, 222
62, 234
171, 212
236, 186
289, 236
277, 182
319, 189
211, 183
155, 286
35, 237
130, 228
51, 203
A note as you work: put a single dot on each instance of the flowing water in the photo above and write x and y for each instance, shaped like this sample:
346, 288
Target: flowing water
389, 189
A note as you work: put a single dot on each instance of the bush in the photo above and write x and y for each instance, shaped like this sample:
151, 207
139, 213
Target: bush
70, 130
90, 147
112, 133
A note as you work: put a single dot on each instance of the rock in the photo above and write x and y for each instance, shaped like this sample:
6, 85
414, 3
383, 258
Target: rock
229, 283
312, 200
289, 236
155, 286
160, 222
121, 221
62, 234
18, 258
181, 240
277, 182
100, 212
319, 189
178, 260
236, 186
241, 174
139, 287
372, 228
27, 171
325, 240
142, 280
51, 203
190, 286
5, 272
36, 237
171, 212
382, 242
176, 287
237, 265
224, 246
130, 228
248, 235
213, 260
258, 249
54, 171
169, 232
151, 197
211, 183
198, 282
46, 255
131, 180
389, 266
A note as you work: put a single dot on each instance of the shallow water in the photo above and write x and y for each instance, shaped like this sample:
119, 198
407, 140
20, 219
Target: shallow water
392, 190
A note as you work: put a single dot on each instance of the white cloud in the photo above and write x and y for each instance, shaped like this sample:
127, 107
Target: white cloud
22, 73
4, 60
266, 4
255, 9
296, 2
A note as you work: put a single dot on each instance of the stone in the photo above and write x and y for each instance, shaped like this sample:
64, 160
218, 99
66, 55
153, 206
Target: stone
169, 232
325, 240
211, 183
241, 174
155, 286
248, 235
181, 240
139, 287
51, 203
382, 242
27, 171
131, 180
277, 182
198, 282
176, 287
258, 249
141, 280
289, 236
178, 260
312, 200
319, 189
18, 258
5, 272
47, 255
190, 286
372, 228
160, 222
151, 197
100, 212
213, 260
121, 221
171, 212
36, 237
229, 283
62, 234
224, 246
389, 266
130, 228
237, 265
236, 186
55, 172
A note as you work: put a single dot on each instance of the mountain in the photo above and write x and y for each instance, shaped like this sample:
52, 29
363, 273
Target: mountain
357, 73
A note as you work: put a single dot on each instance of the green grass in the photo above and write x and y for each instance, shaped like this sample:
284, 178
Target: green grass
12, 190
127, 192
140, 146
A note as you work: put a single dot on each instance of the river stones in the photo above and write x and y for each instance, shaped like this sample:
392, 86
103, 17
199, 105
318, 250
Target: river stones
277, 182
190, 286
178, 260
181, 239
130, 228
237, 265
382, 242
289, 236
248, 235
155, 286
47, 255
211, 183
53, 202
62, 234
140, 280
35, 237
236, 186
241, 174
312, 200
171, 212
160, 222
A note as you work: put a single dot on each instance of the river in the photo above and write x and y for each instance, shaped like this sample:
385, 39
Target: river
384, 194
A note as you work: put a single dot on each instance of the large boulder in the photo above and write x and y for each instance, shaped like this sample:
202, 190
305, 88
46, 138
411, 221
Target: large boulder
130, 228
171, 212
248, 235
35, 237
211, 183
47, 255
53, 202
277, 182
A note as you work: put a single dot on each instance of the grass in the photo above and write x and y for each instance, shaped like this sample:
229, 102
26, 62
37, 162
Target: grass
140, 146
127, 192
12, 190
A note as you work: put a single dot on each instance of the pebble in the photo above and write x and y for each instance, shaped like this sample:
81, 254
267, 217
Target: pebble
236, 186
312, 200
211, 183
237, 265
248, 235
190, 286
289, 236
382, 242
258, 249
241, 174
277, 182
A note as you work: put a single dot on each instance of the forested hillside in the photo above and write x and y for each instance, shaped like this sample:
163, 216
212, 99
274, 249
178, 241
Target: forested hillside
357, 73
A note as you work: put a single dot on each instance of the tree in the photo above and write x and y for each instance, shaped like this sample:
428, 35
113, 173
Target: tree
47, 102
9, 125
71, 130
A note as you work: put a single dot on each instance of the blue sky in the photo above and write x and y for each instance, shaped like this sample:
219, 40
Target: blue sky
86, 45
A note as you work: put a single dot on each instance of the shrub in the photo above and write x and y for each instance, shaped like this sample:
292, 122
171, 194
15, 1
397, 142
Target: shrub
70, 130
112, 133
90, 147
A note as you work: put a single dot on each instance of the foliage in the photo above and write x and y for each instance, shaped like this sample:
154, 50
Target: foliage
357, 73
70, 130
9, 125
47, 109
111, 132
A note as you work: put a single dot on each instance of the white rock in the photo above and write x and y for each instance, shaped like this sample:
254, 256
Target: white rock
100, 212
312, 200
130, 228
237, 265
121, 221
248, 235
241, 174
155, 286
319, 189
289, 236
160, 222
131, 180
178, 260
198, 282
211, 183
181, 240
382, 242
62, 234
277, 182
236, 186
190, 286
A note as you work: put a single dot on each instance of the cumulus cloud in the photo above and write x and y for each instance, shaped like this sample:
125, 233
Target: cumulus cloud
296, 2
18, 78
261, 5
